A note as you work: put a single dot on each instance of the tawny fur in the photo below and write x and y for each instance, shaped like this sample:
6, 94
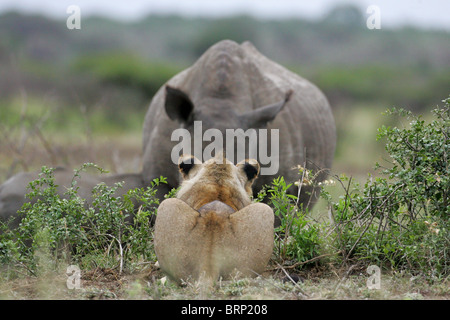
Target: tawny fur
212, 229
216, 179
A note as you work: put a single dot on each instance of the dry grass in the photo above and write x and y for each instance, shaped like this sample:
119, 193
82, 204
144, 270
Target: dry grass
116, 156
149, 284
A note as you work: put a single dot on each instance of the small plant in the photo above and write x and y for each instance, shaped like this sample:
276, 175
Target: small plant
297, 237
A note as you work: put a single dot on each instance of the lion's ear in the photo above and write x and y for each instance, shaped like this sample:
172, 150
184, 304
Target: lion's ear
186, 163
250, 167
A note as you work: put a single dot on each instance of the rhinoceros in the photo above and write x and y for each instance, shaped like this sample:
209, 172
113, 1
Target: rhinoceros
230, 86
234, 86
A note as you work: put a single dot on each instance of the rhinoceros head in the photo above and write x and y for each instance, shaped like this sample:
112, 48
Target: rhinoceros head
218, 113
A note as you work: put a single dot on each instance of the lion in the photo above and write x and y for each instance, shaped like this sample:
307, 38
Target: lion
212, 229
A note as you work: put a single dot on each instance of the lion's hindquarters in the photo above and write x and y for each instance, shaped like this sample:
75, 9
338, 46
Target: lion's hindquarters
252, 234
189, 244
175, 247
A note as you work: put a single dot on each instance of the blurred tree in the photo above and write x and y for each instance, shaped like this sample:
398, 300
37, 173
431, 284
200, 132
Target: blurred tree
345, 15
128, 70
128, 61
239, 29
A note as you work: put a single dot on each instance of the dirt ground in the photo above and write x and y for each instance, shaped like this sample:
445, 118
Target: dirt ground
149, 283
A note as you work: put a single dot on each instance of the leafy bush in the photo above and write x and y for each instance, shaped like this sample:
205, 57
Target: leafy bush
297, 237
398, 220
104, 233
401, 218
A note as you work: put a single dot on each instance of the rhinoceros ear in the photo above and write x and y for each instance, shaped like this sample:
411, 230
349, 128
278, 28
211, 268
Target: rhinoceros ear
260, 117
178, 105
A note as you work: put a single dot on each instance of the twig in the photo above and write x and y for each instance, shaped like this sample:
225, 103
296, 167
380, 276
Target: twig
307, 261
120, 252
120, 248
301, 182
344, 278
46, 144
289, 277
265, 280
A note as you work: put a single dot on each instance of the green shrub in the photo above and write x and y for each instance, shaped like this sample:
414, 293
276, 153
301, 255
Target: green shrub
66, 229
401, 218
297, 237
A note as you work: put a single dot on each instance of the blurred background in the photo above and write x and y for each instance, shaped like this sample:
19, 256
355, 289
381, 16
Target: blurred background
69, 96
